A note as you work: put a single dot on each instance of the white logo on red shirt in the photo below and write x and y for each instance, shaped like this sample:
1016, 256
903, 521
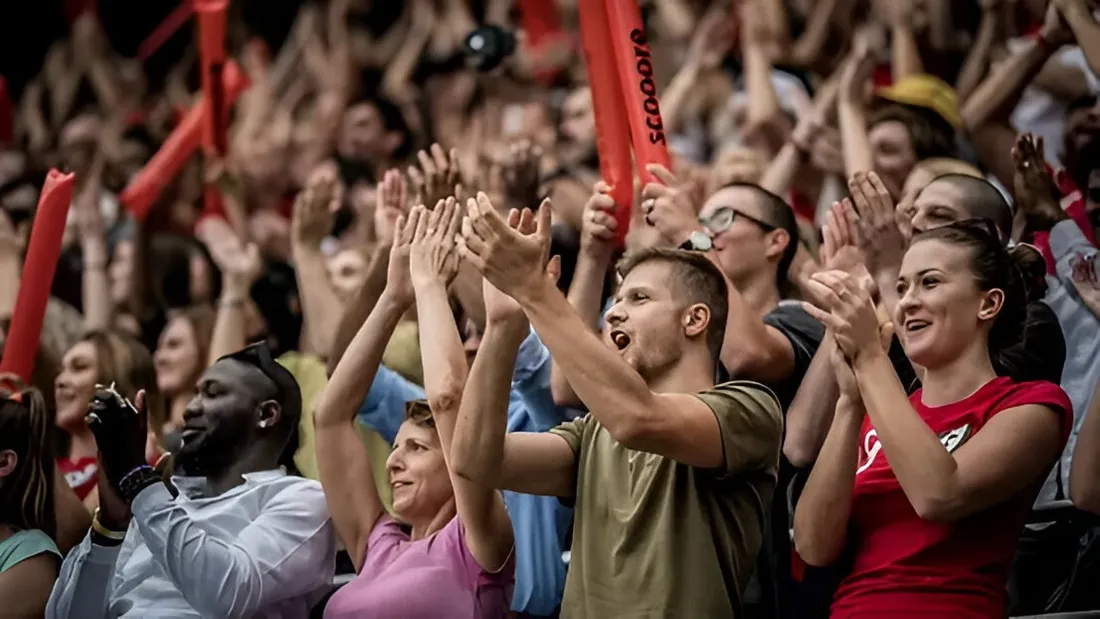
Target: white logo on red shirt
950, 440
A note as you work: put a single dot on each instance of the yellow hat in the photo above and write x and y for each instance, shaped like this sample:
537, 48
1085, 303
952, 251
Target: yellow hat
926, 91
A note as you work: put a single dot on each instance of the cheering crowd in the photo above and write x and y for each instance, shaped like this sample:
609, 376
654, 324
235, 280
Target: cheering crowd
404, 351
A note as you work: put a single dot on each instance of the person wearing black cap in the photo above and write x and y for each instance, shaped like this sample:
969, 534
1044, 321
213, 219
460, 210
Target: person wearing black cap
232, 535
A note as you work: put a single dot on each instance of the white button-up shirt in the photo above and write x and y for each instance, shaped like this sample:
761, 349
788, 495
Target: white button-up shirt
264, 549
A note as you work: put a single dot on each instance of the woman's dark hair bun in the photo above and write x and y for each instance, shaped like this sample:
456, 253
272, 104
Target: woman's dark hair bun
1033, 270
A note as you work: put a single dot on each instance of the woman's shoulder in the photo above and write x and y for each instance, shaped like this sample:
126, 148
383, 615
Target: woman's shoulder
1039, 392
23, 545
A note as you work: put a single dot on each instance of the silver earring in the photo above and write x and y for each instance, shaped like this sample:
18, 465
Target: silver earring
265, 423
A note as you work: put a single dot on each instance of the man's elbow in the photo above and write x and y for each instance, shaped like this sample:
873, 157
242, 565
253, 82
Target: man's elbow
1085, 497
798, 453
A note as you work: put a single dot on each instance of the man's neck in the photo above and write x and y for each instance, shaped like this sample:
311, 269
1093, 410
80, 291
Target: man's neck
689, 375
250, 461
759, 292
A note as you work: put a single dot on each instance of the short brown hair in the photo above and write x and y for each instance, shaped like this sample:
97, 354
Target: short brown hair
418, 412
697, 279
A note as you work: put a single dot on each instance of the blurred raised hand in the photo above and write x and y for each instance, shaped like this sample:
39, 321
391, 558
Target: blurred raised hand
315, 209
436, 176
1038, 200
392, 197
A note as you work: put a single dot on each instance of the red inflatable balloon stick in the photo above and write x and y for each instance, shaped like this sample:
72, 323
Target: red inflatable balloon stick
184, 140
542, 25
43, 250
612, 126
211, 21
631, 49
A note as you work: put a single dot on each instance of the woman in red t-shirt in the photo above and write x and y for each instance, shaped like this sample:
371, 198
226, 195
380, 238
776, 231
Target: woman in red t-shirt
929, 493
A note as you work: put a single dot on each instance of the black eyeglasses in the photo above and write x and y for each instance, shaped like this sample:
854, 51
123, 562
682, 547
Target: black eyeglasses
723, 218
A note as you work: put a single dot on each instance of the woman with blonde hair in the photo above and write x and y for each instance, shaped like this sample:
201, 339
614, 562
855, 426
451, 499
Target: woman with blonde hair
182, 354
100, 357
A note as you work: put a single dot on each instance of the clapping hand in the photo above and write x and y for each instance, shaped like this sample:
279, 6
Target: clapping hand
520, 175
847, 309
880, 239
437, 175
668, 207
392, 202
1087, 283
315, 209
1038, 200
512, 253
120, 430
399, 285
432, 255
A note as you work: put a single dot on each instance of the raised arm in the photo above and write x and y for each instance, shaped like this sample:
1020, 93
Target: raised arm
342, 459
532, 463
322, 308
675, 425
433, 263
589, 278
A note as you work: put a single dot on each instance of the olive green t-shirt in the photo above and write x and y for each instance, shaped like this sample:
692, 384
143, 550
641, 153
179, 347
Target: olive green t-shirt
655, 538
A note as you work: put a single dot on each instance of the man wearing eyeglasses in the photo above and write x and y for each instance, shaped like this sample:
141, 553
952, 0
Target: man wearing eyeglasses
232, 536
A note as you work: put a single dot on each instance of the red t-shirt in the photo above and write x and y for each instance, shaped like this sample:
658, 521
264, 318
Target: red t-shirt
907, 566
82, 474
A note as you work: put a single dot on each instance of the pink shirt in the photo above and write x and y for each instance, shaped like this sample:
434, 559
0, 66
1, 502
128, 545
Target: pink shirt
432, 578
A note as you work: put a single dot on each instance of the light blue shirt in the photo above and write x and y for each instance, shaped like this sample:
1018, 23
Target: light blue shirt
265, 549
540, 522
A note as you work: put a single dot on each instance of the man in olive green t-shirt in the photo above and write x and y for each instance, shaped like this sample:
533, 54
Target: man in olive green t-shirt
670, 474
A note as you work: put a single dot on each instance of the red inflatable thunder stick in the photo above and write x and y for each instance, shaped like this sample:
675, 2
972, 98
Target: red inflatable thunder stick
612, 127
166, 164
542, 24
43, 250
211, 21
620, 73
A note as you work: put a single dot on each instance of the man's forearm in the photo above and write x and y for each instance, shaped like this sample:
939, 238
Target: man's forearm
614, 393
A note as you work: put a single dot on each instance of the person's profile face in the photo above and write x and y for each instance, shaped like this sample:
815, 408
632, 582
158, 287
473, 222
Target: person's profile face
75, 385
418, 473
739, 242
939, 302
645, 323
938, 204
220, 418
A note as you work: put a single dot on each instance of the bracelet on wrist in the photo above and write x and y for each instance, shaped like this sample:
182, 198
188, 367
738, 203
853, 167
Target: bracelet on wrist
137, 480
104, 532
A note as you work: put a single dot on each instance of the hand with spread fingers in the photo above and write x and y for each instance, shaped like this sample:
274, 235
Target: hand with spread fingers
840, 235
880, 239
667, 207
599, 225
432, 255
315, 208
120, 430
511, 254
520, 175
436, 177
399, 286
392, 201
1038, 200
848, 312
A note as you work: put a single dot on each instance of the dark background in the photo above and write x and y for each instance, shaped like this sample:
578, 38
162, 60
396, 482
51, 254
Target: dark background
27, 29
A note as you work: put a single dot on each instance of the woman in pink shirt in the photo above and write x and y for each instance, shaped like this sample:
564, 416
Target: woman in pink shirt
450, 556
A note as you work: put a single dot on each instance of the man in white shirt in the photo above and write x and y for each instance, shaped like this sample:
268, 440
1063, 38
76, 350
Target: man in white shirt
240, 538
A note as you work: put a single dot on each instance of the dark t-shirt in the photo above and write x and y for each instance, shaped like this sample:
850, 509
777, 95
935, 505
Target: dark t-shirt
804, 333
